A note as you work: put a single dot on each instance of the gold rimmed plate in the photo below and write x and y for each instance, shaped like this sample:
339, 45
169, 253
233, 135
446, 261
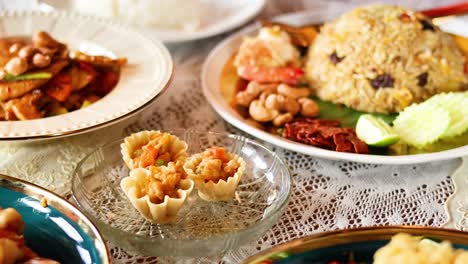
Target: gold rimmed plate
358, 244
54, 228
146, 75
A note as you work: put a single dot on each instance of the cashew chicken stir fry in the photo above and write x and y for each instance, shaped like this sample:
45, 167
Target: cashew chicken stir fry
41, 77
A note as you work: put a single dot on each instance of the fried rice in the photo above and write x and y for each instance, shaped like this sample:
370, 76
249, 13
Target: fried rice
383, 58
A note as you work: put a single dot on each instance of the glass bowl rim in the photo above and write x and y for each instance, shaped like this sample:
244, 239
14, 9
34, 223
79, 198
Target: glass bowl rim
279, 208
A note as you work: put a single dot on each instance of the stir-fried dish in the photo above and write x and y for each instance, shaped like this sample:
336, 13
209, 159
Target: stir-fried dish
13, 248
41, 77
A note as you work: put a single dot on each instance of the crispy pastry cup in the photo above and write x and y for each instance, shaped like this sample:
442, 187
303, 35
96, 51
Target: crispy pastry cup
178, 147
161, 213
223, 190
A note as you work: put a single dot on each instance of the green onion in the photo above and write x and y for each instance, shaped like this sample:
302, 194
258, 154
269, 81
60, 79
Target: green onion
283, 254
59, 111
86, 103
280, 131
160, 162
27, 76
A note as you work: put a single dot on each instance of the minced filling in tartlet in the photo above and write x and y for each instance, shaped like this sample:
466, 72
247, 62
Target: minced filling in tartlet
216, 164
156, 152
157, 186
152, 148
216, 173
163, 181
157, 192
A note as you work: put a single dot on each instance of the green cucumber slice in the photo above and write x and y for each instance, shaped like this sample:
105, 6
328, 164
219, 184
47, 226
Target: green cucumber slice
456, 104
421, 124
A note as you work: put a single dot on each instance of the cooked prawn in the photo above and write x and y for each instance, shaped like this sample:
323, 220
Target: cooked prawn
288, 75
269, 57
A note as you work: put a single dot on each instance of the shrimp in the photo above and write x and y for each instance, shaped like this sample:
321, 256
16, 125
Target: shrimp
288, 75
269, 57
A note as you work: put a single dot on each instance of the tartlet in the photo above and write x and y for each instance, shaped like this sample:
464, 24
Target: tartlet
148, 148
216, 173
157, 192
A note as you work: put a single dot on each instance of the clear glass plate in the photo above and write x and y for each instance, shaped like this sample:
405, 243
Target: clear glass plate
202, 228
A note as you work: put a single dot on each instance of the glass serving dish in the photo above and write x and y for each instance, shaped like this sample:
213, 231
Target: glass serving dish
202, 228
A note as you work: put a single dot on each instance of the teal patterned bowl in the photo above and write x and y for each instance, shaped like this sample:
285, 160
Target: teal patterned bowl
358, 244
58, 231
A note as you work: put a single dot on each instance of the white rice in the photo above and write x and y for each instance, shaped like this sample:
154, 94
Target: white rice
182, 14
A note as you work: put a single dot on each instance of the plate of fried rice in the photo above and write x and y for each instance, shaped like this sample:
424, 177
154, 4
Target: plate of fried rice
377, 84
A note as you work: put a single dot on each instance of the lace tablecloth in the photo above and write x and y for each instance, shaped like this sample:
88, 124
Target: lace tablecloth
326, 195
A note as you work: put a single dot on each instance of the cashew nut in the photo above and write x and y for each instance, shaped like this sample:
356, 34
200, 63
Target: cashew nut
293, 92
16, 66
40, 60
282, 103
309, 107
282, 119
260, 113
43, 39
15, 48
47, 51
252, 92
263, 96
26, 52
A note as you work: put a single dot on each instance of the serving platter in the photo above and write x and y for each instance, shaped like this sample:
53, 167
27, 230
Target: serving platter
146, 75
216, 17
358, 243
57, 230
220, 99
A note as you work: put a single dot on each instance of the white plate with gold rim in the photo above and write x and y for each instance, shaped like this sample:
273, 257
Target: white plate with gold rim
218, 98
147, 73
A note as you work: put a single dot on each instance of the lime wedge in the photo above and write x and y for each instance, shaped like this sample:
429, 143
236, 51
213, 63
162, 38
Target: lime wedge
375, 132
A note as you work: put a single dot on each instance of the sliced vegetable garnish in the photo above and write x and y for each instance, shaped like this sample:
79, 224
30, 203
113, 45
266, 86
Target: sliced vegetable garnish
421, 124
375, 132
160, 162
456, 104
27, 76
86, 103
347, 116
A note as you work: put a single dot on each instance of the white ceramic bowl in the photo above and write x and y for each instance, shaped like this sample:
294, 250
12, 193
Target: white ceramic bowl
147, 73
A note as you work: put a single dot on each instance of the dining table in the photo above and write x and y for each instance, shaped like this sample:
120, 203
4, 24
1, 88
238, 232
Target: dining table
326, 194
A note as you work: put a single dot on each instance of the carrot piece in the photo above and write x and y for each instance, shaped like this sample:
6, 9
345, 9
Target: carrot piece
59, 87
149, 155
218, 153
